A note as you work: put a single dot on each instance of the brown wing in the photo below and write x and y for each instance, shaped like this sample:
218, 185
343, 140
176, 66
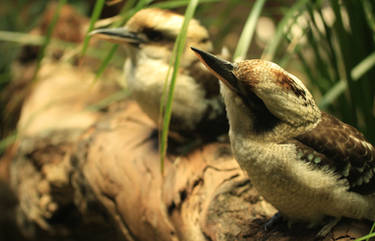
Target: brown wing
342, 148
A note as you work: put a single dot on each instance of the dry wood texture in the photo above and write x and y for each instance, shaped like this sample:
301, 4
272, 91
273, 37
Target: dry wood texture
82, 175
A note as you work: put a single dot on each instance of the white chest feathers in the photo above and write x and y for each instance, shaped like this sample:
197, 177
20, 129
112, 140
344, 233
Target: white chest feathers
146, 79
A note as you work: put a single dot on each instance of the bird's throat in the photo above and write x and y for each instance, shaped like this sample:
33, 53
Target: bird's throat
248, 116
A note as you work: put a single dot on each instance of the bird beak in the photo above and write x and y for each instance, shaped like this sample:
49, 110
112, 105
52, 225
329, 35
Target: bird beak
118, 35
221, 68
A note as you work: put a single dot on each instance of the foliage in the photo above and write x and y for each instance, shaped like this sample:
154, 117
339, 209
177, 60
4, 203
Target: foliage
331, 41
178, 50
336, 50
337, 55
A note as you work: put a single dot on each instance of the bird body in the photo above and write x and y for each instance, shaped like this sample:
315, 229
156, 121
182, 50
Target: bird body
149, 38
299, 190
305, 162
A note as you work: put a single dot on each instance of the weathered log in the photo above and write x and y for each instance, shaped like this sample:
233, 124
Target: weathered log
202, 196
119, 162
98, 177
52, 119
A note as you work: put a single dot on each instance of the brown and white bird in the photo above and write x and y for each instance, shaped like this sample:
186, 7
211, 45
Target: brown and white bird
305, 162
149, 38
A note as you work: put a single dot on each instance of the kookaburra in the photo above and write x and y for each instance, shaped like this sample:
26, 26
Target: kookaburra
149, 38
306, 163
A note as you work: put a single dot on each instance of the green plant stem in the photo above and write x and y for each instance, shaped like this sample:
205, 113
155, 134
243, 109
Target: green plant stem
357, 72
47, 39
177, 3
248, 31
179, 49
94, 17
117, 96
270, 50
126, 14
367, 237
371, 231
106, 61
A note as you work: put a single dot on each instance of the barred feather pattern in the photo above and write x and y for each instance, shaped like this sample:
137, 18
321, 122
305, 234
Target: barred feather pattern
341, 148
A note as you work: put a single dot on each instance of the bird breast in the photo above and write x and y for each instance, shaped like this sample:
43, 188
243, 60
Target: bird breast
145, 80
286, 182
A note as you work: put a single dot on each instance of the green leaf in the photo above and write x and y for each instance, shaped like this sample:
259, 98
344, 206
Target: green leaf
290, 15
357, 72
248, 31
22, 38
177, 53
126, 14
367, 237
94, 17
371, 231
47, 39
106, 61
7, 141
177, 3
365, 65
117, 96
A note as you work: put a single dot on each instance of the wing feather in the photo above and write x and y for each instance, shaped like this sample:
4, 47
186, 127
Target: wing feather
343, 149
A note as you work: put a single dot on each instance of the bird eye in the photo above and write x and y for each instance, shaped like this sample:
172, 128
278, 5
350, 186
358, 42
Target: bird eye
152, 34
205, 40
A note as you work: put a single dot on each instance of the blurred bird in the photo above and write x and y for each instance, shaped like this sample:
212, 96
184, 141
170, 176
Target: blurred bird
305, 162
149, 38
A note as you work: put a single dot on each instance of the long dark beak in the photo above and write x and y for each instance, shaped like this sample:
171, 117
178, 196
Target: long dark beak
118, 35
221, 68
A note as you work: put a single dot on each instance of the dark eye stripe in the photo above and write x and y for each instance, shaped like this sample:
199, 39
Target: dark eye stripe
152, 34
156, 35
204, 40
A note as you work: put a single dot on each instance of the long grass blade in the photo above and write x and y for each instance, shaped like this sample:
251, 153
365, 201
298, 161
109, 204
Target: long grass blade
357, 72
32, 39
117, 96
270, 50
248, 31
164, 96
332, 53
106, 61
126, 14
367, 237
180, 45
48, 38
22, 38
371, 231
7, 141
94, 17
370, 16
177, 3
332, 94
345, 41
365, 65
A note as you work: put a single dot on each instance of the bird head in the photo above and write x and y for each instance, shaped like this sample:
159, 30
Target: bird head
154, 31
264, 94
